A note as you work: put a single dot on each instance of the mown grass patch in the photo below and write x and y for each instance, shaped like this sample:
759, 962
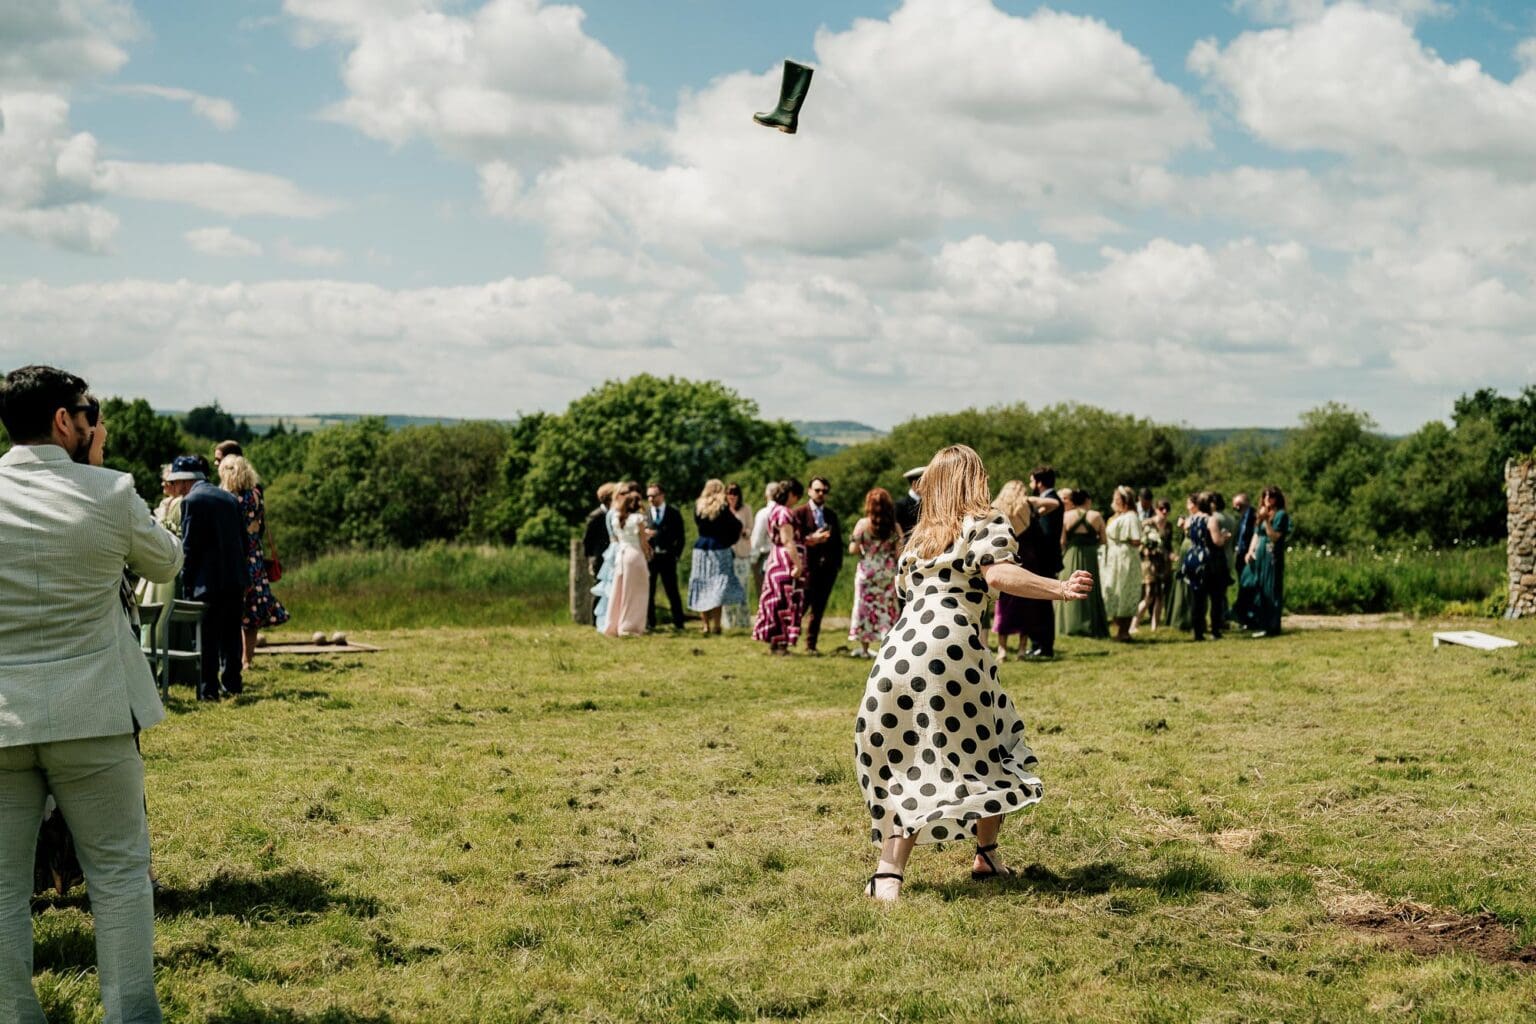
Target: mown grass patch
537, 824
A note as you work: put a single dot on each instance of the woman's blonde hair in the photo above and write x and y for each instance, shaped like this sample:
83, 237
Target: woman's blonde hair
1127, 497
1013, 502
711, 500
237, 475
952, 487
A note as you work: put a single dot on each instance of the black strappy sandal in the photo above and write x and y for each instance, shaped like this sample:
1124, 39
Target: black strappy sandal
869, 886
996, 872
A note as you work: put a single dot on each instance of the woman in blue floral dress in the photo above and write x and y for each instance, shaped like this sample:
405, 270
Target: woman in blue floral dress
238, 477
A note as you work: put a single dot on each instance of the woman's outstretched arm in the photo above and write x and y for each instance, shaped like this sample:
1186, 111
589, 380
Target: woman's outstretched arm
1020, 582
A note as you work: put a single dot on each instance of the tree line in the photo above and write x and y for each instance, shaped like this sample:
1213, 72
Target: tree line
531, 480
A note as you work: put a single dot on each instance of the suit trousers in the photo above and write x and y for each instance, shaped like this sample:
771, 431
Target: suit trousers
664, 568
222, 642
99, 786
818, 591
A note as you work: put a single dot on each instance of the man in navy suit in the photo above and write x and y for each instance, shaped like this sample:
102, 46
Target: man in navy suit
667, 539
214, 571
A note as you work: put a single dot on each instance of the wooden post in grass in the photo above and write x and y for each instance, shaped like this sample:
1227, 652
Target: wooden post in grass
1520, 484
581, 585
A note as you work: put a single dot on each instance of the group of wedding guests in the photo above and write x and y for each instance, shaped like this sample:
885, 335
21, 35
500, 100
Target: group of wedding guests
1147, 567
633, 544
1152, 569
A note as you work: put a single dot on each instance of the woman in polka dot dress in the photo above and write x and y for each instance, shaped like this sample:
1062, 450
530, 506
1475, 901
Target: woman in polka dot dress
938, 746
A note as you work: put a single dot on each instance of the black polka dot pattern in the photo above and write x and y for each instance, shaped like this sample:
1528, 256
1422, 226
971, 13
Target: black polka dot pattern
933, 709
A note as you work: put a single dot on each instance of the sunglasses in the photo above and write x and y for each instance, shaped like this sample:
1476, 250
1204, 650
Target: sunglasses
92, 409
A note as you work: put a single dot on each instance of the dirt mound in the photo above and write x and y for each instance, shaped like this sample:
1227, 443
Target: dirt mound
1427, 931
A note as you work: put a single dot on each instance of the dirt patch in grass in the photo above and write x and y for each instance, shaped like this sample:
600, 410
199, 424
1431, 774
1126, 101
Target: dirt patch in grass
1429, 931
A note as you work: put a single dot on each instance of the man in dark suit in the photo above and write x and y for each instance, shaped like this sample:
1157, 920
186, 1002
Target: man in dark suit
1247, 526
214, 571
594, 540
666, 525
1046, 504
909, 507
823, 555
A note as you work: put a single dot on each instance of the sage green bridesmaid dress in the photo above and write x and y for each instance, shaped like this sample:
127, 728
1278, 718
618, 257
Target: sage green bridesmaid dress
1086, 617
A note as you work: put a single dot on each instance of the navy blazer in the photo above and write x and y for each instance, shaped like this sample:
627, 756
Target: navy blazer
213, 540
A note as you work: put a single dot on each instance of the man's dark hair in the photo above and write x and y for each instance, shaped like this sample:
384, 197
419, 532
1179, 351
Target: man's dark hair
1045, 474
224, 448
30, 395
1146, 494
821, 480
656, 485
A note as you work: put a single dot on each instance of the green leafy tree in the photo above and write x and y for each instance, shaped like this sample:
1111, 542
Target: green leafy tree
500, 514
214, 424
677, 431
330, 503
1512, 420
428, 481
139, 442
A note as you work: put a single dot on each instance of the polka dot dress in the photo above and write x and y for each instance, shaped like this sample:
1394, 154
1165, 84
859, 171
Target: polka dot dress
938, 745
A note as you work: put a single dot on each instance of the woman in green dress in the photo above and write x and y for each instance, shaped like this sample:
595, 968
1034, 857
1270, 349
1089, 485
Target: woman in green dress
1082, 531
1122, 563
1265, 569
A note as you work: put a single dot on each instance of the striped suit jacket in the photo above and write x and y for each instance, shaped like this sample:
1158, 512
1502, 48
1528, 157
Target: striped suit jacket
70, 667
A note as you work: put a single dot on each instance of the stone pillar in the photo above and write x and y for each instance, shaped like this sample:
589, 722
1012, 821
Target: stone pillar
581, 585
1520, 484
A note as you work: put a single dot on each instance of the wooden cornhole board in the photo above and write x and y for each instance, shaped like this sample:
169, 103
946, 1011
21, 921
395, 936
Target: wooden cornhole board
1472, 638
306, 647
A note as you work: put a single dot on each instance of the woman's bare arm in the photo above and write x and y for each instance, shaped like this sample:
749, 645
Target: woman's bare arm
787, 538
1020, 582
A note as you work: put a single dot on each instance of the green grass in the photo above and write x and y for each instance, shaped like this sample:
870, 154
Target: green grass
455, 585
538, 824
1416, 581
437, 585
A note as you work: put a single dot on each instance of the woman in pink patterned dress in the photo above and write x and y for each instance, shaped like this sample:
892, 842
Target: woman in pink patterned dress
878, 540
783, 599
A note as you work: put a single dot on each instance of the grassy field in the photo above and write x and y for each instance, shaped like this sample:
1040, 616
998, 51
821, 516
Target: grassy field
447, 585
538, 824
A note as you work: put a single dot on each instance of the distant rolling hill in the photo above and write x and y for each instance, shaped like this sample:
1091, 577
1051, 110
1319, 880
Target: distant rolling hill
823, 437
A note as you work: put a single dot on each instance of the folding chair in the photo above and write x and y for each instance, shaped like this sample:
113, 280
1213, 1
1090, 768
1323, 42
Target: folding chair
149, 636
180, 613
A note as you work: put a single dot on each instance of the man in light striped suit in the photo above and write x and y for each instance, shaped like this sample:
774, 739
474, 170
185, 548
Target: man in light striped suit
74, 685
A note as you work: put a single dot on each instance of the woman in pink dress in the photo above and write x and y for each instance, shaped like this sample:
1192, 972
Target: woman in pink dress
877, 540
783, 599
630, 589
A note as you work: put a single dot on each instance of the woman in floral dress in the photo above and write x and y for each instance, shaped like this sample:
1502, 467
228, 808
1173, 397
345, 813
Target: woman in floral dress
938, 746
238, 477
877, 540
782, 604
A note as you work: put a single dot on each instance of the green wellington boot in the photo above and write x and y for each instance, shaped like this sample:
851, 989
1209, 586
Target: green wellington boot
797, 82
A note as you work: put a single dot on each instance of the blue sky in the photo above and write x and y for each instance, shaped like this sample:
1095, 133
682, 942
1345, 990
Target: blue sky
1210, 213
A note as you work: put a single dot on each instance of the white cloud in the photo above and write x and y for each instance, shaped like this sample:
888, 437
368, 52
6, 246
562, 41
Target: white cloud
47, 191
1358, 82
1241, 332
221, 241
508, 77
1284, 12
949, 109
228, 190
310, 255
220, 113
50, 43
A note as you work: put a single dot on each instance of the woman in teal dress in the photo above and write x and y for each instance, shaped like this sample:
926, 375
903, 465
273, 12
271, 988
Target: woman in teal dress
1265, 570
1082, 531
